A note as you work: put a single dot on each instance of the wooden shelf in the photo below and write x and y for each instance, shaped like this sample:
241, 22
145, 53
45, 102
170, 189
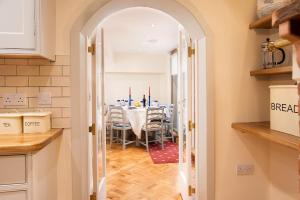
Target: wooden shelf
262, 23
272, 71
262, 130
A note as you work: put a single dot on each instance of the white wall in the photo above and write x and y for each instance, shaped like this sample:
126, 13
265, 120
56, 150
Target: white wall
235, 50
138, 71
138, 62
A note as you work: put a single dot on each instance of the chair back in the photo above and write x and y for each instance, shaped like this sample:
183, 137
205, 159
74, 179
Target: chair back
171, 112
154, 119
116, 114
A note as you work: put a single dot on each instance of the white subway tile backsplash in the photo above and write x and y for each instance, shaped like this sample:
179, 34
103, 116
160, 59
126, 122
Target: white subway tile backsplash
55, 91
61, 81
39, 81
18, 108
1, 102
66, 112
16, 81
28, 70
56, 112
8, 110
33, 76
66, 91
8, 70
7, 90
61, 123
51, 70
28, 91
2, 81
33, 103
66, 71
61, 102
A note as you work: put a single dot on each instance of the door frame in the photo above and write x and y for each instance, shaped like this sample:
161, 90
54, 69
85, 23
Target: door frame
83, 28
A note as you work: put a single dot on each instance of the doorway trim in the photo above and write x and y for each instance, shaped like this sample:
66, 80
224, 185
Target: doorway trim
84, 26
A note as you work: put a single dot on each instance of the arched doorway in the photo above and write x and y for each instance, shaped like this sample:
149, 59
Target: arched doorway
81, 30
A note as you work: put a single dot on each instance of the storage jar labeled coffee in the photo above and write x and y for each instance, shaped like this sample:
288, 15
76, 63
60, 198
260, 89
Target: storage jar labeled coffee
36, 122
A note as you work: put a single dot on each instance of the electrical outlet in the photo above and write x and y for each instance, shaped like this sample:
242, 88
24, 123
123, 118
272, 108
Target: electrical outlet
8, 99
244, 169
20, 100
14, 99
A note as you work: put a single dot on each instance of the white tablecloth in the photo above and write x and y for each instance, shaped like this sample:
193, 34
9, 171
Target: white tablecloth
137, 119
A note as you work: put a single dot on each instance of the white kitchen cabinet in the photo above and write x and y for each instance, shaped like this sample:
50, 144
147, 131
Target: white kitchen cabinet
33, 176
12, 169
27, 28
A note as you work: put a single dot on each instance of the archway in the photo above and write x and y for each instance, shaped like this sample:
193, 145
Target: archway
85, 27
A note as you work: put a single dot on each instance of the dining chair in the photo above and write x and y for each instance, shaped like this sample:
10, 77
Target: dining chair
107, 121
118, 123
154, 124
169, 123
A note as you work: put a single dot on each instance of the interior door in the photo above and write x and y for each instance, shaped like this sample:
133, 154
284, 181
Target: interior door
99, 148
17, 24
186, 116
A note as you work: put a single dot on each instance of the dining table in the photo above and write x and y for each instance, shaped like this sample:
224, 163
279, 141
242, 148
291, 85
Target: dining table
136, 116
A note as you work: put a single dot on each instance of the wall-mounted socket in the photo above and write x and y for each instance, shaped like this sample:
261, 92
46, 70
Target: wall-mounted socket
44, 98
8, 99
14, 99
20, 100
244, 169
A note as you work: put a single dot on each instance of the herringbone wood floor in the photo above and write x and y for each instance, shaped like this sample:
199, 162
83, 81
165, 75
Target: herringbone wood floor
131, 175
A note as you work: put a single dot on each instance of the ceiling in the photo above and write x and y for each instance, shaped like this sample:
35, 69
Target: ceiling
141, 30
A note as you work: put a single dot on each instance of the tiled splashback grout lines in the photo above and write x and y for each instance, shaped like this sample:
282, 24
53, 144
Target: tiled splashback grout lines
32, 76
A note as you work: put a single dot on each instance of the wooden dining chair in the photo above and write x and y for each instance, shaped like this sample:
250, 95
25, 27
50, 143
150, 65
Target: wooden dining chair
169, 123
154, 124
118, 123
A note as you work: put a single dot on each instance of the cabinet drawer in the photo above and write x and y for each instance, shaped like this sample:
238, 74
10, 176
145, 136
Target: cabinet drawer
12, 169
17, 195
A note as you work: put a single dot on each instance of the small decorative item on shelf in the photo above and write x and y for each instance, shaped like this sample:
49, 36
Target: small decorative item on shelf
269, 51
266, 7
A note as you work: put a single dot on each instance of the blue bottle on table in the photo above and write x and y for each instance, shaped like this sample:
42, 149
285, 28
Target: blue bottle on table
144, 101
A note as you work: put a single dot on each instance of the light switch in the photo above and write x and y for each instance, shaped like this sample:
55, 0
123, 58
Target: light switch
244, 169
44, 98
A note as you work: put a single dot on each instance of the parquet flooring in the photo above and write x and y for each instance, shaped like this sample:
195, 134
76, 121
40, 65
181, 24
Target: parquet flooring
131, 175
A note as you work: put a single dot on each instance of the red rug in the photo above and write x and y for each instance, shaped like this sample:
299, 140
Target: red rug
170, 154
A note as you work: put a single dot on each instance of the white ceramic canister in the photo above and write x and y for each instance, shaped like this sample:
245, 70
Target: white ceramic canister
11, 123
36, 122
284, 109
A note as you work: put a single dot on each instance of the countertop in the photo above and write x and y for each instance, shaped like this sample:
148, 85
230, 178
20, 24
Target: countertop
27, 143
